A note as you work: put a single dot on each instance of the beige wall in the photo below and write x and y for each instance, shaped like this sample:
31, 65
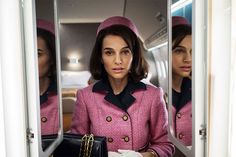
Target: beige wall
77, 40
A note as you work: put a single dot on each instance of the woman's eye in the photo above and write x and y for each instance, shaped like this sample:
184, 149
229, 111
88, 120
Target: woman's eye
109, 53
39, 54
178, 50
126, 52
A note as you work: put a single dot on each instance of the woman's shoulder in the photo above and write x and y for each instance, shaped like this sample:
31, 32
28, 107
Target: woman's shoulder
154, 95
85, 90
152, 88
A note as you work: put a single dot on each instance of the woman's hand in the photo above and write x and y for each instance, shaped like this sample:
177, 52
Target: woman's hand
148, 154
114, 154
129, 153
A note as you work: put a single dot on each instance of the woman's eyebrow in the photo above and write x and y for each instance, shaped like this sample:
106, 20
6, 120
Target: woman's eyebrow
126, 47
179, 46
108, 48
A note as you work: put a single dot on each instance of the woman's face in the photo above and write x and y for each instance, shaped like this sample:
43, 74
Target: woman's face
44, 59
182, 58
116, 57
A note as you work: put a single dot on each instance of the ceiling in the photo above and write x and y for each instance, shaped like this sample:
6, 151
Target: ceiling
88, 11
148, 15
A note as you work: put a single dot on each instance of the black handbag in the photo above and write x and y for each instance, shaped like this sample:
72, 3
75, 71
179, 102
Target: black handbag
80, 146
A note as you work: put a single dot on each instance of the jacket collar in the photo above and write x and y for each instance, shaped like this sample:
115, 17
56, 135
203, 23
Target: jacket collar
52, 90
125, 99
185, 95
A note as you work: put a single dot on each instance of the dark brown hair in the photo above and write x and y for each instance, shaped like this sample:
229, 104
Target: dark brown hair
49, 39
179, 32
139, 67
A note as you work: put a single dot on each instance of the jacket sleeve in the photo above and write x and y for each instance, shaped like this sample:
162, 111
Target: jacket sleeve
159, 141
80, 119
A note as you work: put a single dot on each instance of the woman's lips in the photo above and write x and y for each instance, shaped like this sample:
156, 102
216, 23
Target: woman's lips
186, 68
117, 70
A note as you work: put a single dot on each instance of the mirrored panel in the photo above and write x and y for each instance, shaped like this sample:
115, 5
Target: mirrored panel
181, 69
47, 68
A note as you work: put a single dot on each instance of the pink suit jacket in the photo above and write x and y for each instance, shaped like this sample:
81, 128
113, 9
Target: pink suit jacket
49, 115
182, 121
142, 127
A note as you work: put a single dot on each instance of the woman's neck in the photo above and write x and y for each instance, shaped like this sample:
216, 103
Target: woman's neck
176, 83
118, 85
43, 84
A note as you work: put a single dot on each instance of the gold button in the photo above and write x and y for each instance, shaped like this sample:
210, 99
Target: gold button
108, 119
181, 135
178, 115
126, 139
109, 139
125, 118
44, 119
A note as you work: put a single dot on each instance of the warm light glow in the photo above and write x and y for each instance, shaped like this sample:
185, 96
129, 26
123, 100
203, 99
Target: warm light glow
73, 57
73, 60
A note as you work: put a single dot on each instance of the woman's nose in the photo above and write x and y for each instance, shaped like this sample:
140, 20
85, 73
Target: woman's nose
118, 59
188, 57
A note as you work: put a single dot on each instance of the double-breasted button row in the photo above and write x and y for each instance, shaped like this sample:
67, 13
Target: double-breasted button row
44, 119
110, 139
109, 118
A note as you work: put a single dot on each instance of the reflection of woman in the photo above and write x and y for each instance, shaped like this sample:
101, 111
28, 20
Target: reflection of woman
47, 77
181, 84
131, 114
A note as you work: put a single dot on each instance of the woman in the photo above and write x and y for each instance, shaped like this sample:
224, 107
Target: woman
181, 83
47, 77
131, 114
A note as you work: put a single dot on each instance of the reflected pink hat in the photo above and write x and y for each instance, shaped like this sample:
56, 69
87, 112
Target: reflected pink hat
179, 20
118, 20
43, 24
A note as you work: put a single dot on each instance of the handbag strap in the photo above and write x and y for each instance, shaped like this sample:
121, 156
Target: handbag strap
90, 145
83, 146
86, 145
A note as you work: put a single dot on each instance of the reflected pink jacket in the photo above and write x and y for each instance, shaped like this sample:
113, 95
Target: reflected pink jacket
49, 115
142, 127
182, 121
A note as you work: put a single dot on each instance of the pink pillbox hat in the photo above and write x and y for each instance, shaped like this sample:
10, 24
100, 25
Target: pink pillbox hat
46, 25
179, 20
118, 20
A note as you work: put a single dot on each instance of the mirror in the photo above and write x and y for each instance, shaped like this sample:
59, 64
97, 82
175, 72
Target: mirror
180, 80
47, 68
